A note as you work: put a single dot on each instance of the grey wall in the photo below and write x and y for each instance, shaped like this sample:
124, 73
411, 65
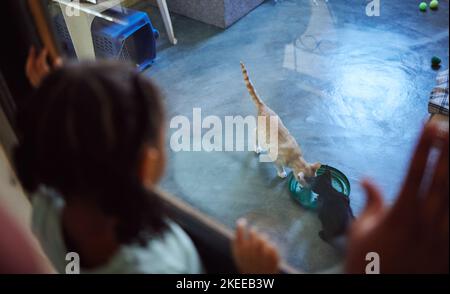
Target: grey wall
236, 9
221, 13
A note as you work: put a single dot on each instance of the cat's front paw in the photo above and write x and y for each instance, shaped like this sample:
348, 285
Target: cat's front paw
282, 174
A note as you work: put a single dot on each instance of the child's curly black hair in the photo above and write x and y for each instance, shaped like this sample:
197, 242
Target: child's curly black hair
83, 134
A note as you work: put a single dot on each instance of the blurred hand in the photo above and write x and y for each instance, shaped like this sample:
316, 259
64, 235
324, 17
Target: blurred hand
37, 67
20, 252
253, 252
413, 235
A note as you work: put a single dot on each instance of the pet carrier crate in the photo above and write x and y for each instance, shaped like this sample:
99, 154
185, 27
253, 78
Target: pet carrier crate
64, 36
132, 37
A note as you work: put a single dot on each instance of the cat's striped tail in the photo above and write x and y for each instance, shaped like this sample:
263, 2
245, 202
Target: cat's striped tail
250, 87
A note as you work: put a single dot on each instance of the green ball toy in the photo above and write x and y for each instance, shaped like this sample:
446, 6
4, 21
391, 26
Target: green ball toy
435, 61
434, 4
423, 6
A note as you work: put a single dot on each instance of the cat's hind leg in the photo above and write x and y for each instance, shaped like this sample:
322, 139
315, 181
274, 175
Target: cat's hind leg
281, 171
258, 148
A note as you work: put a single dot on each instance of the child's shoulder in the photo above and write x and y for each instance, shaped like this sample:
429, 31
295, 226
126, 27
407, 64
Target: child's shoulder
46, 203
46, 212
46, 198
172, 252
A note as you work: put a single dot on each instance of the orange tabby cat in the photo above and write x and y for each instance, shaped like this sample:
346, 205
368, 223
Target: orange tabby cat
289, 152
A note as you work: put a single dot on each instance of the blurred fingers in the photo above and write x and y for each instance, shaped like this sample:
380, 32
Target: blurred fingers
435, 203
255, 241
272, 259
241, 226
253, 252
58, 62
42, 64
413, 181
30, 60
30, 67
374, 202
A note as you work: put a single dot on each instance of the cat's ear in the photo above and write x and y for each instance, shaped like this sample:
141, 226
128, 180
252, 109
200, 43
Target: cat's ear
316, 166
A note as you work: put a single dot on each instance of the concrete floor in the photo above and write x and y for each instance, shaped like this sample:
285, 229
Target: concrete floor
352, 89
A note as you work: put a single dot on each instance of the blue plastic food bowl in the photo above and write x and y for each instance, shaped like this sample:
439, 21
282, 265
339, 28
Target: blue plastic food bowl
308, 198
